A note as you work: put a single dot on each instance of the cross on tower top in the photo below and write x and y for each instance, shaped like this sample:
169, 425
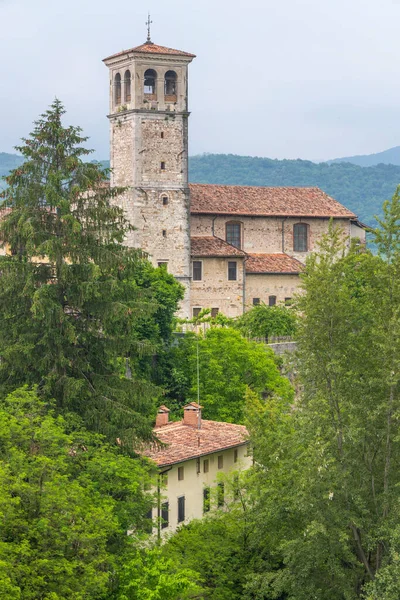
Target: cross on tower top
148, 23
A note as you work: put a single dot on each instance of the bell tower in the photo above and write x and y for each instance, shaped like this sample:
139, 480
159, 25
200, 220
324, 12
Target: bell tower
149, 152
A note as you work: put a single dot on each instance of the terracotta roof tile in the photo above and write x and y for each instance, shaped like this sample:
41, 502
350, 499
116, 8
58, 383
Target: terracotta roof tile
183, 440
265, 201
273, 263
151, 48
213, 246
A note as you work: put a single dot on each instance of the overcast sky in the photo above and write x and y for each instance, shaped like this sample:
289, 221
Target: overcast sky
313, 79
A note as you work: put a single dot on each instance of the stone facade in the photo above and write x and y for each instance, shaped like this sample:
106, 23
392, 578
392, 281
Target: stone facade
149, 156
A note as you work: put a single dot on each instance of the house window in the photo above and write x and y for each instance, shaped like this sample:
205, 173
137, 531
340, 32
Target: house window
164, 479
214, 312
220, 461
181, 509
271, 300
163, 265
300, 235
164, 233
235, 455
288, 301
220, 494
181, 473
233, 234
162, 165
206, 465
206, 499
164, 515
165, 200
232, 270
256, 301
196, 312
197, 270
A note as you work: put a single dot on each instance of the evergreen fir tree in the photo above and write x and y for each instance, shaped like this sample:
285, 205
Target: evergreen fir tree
71, 306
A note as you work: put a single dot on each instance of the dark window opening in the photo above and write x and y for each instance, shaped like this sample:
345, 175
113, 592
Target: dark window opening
164, 232
232, 270
220, 495
271, 300
235, 455
220, 462
150, 80
170, 84
165, 200
181, 509
164, 515
214, 312
288, 301
162, 135
127, 82
206, 499
233, 234
181, 473
197, 270
163, 265
206, 465
300, 235
117, 91
256, 301
196, 312
162, 166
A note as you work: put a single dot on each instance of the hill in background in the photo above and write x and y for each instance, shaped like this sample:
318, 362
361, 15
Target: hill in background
387, 157
361, 189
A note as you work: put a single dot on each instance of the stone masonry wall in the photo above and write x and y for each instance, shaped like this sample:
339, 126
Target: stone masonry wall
264, 285
215, 291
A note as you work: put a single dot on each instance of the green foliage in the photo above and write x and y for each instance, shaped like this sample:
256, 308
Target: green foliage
265, 321
79, 309
66, 502
228, 365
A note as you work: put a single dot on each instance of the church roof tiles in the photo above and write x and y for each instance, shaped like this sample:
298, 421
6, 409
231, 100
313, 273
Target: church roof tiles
273, 263
265, 201
150, 48
213, 247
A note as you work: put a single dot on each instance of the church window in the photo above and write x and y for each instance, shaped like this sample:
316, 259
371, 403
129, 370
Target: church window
150, 80
196, 311
232, 270
170, 84
256, 301
300, 237
165, 200
271, 300
197, 270
214, 312
162, 166
233, 234
117, 89
127, 82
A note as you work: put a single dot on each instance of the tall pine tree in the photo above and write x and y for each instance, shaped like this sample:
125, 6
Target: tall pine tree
72, 300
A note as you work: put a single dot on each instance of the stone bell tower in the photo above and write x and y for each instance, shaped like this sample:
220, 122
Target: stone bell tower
149, 152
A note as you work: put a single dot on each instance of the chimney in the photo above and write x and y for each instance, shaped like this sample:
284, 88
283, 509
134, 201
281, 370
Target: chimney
192, 414
162, 416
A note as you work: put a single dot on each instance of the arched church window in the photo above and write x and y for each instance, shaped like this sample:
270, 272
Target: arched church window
117, 89
127, 82
300, 237
170, 87
150, 82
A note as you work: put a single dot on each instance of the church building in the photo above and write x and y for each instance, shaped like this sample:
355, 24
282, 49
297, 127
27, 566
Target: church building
231, 247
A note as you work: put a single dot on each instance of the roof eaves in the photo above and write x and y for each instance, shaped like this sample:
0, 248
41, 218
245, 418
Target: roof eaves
199, 455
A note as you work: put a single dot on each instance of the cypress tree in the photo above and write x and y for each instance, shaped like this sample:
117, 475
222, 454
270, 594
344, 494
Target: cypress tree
70, 302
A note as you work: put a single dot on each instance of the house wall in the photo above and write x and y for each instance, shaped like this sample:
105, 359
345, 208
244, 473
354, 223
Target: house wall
193, 484
215, 290
264, 285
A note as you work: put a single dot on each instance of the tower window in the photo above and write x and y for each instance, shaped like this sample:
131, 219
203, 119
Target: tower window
271, 300
127, 82
232, 270
170, 84
165, 200
162, 135
164, 232
233, 234
214, 312
197, 270
162, 166
150, 81
256, 301
300, 237
117, 89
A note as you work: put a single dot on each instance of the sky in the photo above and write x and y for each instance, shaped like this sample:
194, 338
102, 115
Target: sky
310, 79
